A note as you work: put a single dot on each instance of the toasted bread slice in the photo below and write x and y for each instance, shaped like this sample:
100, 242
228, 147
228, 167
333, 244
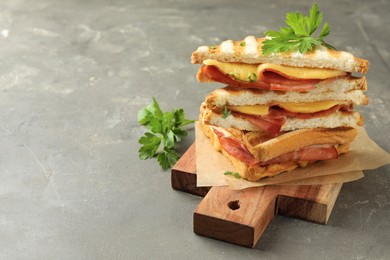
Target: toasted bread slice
334, 120
244, 97
251, 53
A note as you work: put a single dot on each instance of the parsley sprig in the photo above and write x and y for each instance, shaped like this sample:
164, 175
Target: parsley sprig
299, 36
165, 130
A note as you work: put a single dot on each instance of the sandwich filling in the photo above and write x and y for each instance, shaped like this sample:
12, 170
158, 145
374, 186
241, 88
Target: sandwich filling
266, 76
237, 149
270, 118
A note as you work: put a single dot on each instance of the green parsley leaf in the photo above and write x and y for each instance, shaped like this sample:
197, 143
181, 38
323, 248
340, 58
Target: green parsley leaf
143, 116
242, 44
314, 20
234, 174
170, 140
167, 122
166, 131
179, 134
154, 125
298, 36
168, 158
325, 31
151, 111
225, 111
150, 144
180, 119
297, 22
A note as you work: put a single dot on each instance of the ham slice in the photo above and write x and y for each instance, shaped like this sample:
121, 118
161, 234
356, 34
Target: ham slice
282, 83
213, 73
267, 80
270, 124
235, 148
311, 153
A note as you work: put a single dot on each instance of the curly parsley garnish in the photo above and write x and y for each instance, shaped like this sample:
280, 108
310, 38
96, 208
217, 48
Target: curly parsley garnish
165, 130
298, 37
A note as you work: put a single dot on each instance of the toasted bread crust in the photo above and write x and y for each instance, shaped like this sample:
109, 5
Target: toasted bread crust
251, 53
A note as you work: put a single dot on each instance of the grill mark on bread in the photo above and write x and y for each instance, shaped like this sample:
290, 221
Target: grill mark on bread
251, 53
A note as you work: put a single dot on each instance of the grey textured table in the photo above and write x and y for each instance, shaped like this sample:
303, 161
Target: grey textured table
73, 75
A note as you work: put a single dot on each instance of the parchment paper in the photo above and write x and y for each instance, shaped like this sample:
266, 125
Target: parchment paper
364, 154
238, 184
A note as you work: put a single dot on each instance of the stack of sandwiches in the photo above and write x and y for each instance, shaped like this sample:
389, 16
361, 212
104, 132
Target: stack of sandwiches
279, 111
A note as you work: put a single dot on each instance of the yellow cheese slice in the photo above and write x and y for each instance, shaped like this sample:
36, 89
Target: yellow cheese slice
240, 71
302, 72
250, 72
260, 110
299, 107
308, 107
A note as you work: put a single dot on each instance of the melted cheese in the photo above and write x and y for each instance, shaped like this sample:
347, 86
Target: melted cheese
259, 110
308, 107
300, 73
300, 107
243, 71
240, 71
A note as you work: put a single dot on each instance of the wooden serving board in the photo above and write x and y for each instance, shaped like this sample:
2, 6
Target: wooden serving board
240, 217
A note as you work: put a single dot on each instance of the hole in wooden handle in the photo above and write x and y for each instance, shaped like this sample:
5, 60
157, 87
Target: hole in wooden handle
234, 204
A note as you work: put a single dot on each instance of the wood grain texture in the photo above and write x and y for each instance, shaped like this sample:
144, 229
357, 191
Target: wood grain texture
240, 217
243, 226
312, 202
183, 174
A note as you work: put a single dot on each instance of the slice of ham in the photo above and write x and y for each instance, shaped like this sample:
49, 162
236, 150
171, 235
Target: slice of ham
235, 148
282, 83
270, 124
311, 153
267, 81
302, 86
213, 73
